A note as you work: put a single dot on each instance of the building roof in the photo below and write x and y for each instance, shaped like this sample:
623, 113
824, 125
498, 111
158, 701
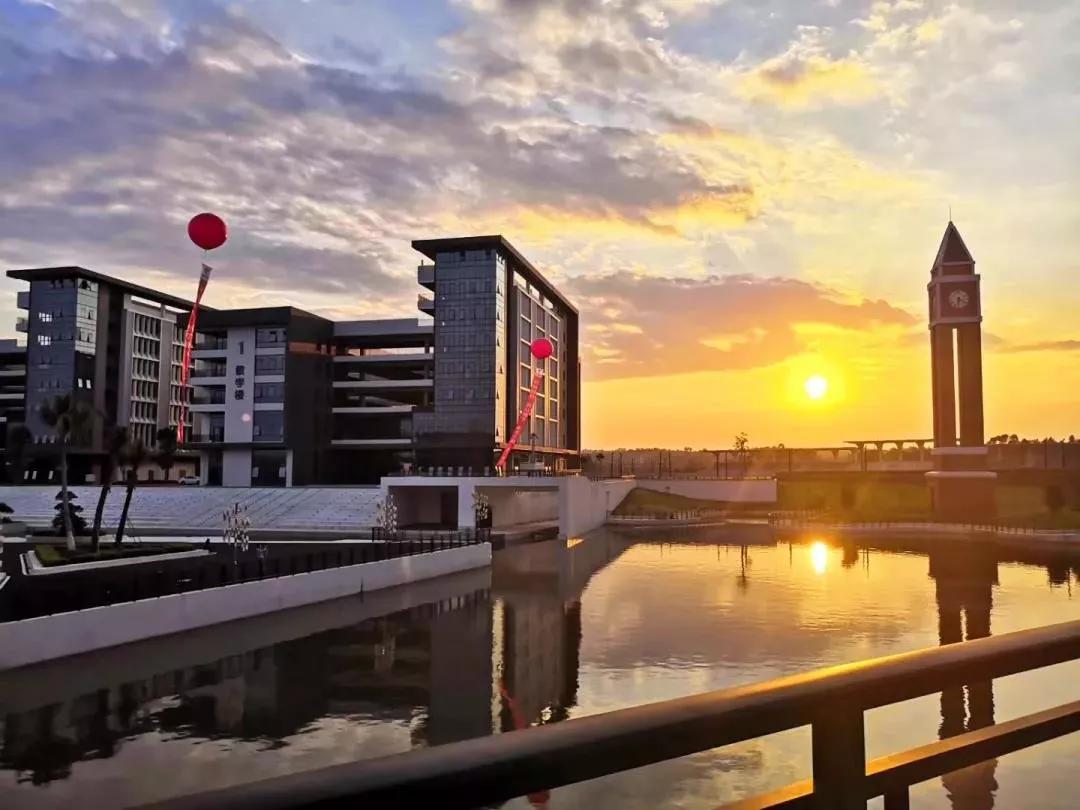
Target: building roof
252, 316
74, 271
431, 247
952, 249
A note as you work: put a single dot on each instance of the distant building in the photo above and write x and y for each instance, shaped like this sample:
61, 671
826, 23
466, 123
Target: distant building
12, 389
112, 344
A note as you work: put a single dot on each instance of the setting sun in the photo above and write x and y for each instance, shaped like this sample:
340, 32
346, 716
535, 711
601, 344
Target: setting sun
816, 386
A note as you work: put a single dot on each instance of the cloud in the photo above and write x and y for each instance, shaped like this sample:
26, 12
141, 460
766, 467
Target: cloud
1044, 346
653, 326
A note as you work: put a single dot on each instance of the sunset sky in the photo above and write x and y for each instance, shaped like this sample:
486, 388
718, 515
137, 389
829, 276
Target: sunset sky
738, 195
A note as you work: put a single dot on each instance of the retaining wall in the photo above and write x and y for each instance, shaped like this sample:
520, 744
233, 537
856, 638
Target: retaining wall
735, 491
48, 637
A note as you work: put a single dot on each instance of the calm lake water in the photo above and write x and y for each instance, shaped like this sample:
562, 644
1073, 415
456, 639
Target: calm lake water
553, 631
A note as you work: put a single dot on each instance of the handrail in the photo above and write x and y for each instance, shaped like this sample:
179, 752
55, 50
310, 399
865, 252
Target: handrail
498, 768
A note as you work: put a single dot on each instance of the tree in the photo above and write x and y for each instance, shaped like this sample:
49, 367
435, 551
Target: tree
70, 420
118, 439
742, 443
166, 450
1055, 498
68, 515
133, 456
19, 438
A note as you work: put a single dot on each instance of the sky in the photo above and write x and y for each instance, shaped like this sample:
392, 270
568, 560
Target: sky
737, 195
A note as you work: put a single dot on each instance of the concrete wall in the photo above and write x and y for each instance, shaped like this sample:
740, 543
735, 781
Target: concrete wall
236, 467
512, 507
585, 505
756, 491
48, 637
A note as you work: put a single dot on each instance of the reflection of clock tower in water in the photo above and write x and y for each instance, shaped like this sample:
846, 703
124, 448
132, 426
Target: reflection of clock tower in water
960, 484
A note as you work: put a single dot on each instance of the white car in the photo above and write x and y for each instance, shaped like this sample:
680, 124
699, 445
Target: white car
189, 480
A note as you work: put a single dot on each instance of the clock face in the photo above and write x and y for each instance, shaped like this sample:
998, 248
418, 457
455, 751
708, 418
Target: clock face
958, 299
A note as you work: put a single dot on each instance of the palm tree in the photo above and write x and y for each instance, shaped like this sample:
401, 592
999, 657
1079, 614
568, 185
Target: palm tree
19, 438
134, 456
166, 450
118, 439
70, 420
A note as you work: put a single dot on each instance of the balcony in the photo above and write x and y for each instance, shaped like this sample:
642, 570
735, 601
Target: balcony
208, 370
215, 435
208, 396
21, 325
210, 343
426, 304
22, 299
425, 276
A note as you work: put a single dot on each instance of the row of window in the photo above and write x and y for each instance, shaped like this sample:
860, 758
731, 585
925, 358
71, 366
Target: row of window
145, 369
82, 335
143, 389
61, 283
146, 347
457, 257
145, 325
144, 411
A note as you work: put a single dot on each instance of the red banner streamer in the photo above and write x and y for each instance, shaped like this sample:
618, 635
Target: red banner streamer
189, 340
538, 380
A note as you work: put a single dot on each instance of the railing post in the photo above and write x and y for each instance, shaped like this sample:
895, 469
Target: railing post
839, 756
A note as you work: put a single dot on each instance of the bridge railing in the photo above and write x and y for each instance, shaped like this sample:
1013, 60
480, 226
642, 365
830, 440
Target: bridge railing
831, 701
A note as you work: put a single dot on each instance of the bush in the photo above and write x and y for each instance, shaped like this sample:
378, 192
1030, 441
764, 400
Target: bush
50, 555
78, 524
5, 510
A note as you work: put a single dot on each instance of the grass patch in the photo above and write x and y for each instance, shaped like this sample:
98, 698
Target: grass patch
648, 502
52, 555
1021, 505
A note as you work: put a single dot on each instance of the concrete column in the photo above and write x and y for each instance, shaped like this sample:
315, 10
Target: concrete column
969, 361
466, 512
944, 390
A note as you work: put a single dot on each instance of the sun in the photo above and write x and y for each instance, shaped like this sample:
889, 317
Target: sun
816, 386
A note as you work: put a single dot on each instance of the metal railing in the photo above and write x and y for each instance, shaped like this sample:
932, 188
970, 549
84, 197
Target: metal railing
484, 771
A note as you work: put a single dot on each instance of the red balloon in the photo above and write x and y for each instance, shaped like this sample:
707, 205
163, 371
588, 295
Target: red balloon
207, 231
542, 348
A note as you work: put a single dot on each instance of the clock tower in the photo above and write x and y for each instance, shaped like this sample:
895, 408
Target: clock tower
960, 484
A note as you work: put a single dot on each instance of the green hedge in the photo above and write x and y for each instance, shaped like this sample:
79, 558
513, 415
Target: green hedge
51, 555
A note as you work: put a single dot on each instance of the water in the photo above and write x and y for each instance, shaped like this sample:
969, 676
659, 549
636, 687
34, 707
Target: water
554, 630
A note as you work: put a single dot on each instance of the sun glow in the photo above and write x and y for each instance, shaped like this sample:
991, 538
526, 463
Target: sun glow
819, 556
816, 386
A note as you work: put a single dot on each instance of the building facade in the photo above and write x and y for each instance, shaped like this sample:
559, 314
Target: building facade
489, 304
259, 397
112, 345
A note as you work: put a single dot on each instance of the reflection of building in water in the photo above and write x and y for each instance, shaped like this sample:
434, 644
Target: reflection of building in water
964, 577
538, 625
430, 663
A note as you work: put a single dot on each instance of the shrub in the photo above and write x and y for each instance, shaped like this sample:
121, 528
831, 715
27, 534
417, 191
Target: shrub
78, 523
5, 510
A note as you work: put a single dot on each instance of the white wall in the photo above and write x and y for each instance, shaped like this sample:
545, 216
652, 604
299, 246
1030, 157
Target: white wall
756, 491
236, 428
47, 637
585, 505
510, 507
236, 467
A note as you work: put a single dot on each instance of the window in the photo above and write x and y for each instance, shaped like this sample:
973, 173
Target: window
274, 336
269, 392
45, 317
44, 340
270, 364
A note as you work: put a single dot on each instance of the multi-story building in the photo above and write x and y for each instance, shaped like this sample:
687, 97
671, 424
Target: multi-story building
489, 305
113, 345
280, 396
12, 390
260, 398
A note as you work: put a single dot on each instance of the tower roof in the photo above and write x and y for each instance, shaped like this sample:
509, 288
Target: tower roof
952, 249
